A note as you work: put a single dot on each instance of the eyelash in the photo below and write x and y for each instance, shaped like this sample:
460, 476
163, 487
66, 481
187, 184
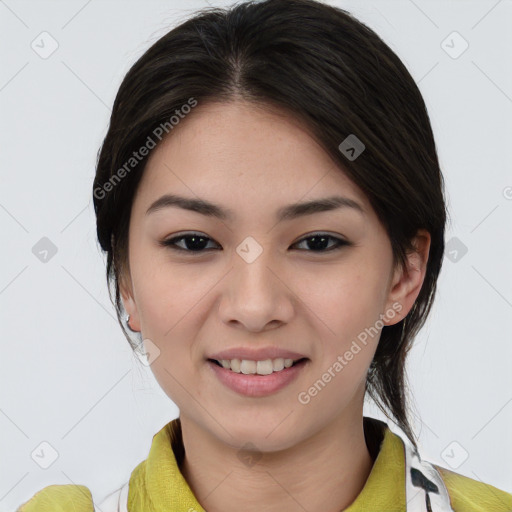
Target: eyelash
171, 242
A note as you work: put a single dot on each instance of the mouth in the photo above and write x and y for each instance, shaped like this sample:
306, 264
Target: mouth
257, 378
258, 368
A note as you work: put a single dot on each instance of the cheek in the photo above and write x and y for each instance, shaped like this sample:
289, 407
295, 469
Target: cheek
165, 292
168, 298
346, 302
345, 299
172, 301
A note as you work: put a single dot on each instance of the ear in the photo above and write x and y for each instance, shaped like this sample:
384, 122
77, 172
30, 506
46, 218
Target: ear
126, 291
407, 282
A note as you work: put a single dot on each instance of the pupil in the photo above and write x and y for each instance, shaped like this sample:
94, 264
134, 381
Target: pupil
192, 243
318, 242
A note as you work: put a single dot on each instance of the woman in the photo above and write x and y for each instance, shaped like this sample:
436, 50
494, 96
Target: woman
271, 205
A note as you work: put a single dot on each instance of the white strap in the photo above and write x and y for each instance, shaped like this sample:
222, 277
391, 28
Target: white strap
424, 487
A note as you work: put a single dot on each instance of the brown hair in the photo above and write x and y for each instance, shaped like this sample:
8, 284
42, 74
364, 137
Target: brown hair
326, 68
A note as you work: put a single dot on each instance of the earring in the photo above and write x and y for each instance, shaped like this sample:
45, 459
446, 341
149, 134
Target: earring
128, 323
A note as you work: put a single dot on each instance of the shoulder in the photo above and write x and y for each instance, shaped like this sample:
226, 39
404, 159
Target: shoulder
78, 498
469, 495
60, 498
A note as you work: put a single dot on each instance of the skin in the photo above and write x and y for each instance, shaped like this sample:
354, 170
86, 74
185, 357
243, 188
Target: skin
253, 161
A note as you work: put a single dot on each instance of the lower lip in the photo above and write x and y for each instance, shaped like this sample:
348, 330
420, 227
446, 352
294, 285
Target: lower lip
257, 385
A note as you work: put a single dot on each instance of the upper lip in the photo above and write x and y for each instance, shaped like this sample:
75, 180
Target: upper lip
255, 354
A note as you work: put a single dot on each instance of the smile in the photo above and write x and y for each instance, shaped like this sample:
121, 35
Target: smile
250, 367
257, 378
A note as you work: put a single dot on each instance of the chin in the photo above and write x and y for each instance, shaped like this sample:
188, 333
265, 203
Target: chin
267, 435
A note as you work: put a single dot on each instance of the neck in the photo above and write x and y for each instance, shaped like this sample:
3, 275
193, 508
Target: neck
325, 472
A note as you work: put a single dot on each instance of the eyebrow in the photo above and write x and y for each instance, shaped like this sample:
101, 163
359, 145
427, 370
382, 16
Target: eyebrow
288, 212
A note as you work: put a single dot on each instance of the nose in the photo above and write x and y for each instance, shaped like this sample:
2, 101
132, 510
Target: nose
256, 295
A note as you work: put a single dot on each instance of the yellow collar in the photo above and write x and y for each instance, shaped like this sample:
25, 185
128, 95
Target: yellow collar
157, 485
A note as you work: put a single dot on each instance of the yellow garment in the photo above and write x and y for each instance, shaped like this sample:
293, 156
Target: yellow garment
157, 485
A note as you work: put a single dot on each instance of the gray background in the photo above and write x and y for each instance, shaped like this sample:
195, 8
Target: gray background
68, 376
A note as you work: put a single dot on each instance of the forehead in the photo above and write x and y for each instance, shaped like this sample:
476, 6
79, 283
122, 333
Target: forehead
240, 153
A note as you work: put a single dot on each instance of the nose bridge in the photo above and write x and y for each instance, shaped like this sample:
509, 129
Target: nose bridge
255, 295
251, 268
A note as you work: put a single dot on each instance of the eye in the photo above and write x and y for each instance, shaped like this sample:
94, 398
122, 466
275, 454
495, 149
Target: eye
197, 242
319, 242
194, 242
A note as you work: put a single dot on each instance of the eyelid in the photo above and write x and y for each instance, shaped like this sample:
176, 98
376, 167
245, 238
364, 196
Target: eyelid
339, 240
321, 233
170, 243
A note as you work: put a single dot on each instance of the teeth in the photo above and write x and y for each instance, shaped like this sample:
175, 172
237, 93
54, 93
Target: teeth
278, 364
264, 367
249, 367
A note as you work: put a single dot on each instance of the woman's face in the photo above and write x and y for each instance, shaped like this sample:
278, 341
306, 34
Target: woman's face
256, 280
